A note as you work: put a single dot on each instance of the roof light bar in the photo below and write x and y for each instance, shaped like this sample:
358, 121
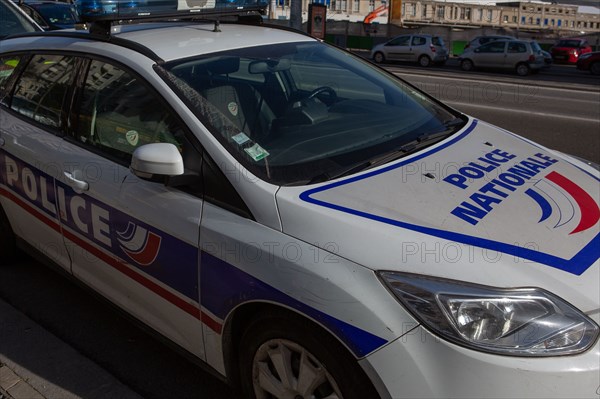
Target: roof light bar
114, 10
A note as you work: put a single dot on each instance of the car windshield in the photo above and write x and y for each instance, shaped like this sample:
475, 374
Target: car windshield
295, 111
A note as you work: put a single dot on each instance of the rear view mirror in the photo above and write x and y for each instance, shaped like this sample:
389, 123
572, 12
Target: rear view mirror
156, 160
267, 66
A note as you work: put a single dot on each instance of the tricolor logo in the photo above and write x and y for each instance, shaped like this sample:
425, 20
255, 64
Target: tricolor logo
139, 244
559, 196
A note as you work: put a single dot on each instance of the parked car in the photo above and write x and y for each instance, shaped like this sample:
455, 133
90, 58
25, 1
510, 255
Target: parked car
590, 62
301, 221
521, 56
51, 15
13, 20
569, 50
481, 40
424, 49
547, 58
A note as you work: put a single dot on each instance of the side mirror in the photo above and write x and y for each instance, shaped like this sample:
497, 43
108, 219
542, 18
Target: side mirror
152, 161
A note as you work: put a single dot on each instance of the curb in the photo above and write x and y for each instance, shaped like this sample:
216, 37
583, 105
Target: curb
14, 387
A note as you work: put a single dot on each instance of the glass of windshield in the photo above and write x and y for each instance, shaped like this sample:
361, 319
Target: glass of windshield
293, 111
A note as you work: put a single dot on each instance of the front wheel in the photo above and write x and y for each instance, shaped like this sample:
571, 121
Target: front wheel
467, 65
284, 356
595, 68
379, 57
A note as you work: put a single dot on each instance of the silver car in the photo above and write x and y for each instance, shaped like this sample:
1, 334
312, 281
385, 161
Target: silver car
481, 40
521, 56
424, 49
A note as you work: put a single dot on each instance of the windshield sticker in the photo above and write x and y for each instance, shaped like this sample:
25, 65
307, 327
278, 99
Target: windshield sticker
256, 152
132, 137
241, 138
233, 108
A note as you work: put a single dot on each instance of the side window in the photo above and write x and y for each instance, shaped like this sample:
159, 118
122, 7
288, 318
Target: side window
493, 47
399, 41
7, 67
517, 48
42, 89
418, 41
119, 113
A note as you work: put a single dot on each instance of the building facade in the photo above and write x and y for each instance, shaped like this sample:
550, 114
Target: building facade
523, 15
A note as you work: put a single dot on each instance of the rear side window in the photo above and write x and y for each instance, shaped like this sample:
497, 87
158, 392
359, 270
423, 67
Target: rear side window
42, 89
418, 41
437, 41
517, 47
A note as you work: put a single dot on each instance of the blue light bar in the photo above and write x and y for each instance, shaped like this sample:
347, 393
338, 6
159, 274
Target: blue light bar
113, 10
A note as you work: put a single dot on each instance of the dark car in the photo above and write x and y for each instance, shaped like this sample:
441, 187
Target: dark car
13, 20
569, 50
51, 15
590, 62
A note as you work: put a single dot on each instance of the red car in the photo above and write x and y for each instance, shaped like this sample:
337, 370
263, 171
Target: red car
569, 50
590, 62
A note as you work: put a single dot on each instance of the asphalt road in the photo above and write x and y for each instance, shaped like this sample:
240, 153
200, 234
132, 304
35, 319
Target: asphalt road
559, 108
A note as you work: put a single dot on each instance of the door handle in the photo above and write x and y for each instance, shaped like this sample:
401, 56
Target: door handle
78, 185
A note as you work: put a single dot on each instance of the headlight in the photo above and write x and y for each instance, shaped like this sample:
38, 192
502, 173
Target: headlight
518, 322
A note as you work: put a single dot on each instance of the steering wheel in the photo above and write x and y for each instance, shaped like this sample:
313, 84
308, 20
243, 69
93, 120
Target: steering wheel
331, 94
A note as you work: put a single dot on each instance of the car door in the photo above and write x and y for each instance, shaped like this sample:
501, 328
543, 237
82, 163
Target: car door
398, 49
516, 52
490, 55
32, 121
417, 47
134, 240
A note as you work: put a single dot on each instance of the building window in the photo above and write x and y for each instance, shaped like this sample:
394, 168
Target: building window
530, 20
514, 19
424, 11
537, 21
412, 9
522, 20
441, 12
356, 6
489, 15
545, 21
371, 5
455, 13
479, 14
505, 19
468, 13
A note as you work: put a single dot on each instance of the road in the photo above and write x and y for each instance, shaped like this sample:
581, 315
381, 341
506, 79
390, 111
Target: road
560, 109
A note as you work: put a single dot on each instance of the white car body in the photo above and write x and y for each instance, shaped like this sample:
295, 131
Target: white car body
466, 208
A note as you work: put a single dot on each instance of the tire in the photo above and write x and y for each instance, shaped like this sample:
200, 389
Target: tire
467, 65
595, 68
523, 69
8, 243
378, 57
303, 346
424, 61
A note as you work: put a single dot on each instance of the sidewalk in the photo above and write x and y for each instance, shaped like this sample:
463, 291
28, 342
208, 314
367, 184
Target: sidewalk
60, 373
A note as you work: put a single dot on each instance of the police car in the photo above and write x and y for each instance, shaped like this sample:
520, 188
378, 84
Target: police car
305, 223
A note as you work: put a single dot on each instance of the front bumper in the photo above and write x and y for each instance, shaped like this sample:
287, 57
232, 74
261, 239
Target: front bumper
420, 365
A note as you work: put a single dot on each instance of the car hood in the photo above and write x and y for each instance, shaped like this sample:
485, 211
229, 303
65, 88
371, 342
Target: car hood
484, 206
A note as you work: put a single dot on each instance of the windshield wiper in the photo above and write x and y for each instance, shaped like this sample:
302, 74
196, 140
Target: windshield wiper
420, 142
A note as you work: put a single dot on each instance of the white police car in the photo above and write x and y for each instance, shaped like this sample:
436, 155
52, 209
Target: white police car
302, 221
